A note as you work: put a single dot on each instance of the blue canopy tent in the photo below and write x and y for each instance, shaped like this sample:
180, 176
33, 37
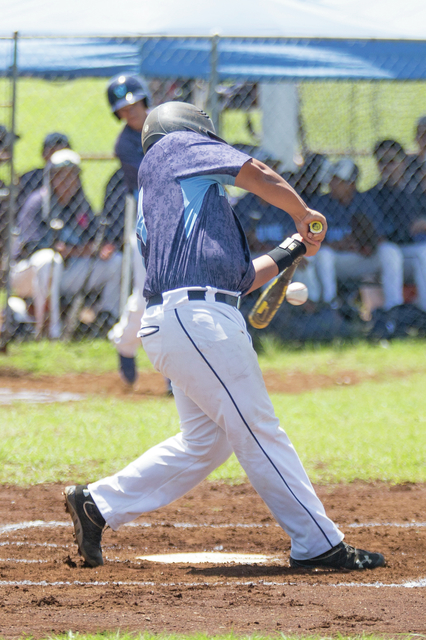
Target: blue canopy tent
270, 39
243, 58
262, 41
279, 58
70, 57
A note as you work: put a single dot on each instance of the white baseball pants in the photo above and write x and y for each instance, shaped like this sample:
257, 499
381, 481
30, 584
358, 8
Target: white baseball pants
393, 263
204, 348
105, 277
38, 277
44, 277
124, 334
414, 260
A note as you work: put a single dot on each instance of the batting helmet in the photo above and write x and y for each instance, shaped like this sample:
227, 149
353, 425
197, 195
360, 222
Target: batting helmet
123, 90
176, 116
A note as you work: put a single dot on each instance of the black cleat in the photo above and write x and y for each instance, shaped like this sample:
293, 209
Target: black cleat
342, 556
88, 523
128, 371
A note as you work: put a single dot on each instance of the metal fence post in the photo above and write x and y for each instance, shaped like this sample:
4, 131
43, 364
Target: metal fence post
6, 329
213, 100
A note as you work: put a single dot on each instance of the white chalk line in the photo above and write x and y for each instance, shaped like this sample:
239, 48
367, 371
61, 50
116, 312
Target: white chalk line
114, 560
23, 561
15, 543
53, 524
237, 583
34, 524
398, 525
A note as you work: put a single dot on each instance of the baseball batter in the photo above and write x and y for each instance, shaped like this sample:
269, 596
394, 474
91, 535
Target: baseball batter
198, 265
129, 99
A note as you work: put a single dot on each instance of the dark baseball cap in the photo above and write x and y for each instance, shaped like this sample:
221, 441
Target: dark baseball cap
55, 139
6, 136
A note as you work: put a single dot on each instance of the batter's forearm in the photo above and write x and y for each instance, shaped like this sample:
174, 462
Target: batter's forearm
265, 269
271, 264
258, 178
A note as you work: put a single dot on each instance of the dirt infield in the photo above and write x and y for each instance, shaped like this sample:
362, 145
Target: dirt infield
151, 383
45, 589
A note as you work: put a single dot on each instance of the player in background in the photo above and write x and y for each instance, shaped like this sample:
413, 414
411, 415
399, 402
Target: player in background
421, 139
130, 99
48, 264
6, 141
198, 265
39, 177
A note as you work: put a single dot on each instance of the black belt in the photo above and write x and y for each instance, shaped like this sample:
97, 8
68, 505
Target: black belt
226, 298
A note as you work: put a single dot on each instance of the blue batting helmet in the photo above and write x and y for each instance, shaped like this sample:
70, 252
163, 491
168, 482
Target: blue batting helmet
126, 89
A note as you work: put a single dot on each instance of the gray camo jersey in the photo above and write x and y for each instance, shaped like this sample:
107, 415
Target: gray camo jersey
187, 231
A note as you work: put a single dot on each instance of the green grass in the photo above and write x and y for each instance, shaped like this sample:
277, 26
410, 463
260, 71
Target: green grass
344, 117
366, 432
78, 108
350, 117
338, 117
371, 431
363, 357
58, 358
79, 440
99, 356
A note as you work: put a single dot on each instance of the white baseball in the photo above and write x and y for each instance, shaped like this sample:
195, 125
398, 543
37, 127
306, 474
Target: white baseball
297, 293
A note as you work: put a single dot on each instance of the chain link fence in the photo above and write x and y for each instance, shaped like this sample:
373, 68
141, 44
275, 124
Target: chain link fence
65, 244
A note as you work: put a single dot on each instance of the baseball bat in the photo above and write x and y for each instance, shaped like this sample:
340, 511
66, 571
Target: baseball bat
78, 300
273, 296
315, 226
56, 224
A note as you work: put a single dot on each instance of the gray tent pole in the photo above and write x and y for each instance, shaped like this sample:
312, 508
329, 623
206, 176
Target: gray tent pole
213, 102
6, 329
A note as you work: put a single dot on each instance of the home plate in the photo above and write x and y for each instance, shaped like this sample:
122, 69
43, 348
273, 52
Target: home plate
205, 557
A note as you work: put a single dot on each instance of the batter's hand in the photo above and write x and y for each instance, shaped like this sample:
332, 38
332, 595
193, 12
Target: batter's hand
308, 237
311, 249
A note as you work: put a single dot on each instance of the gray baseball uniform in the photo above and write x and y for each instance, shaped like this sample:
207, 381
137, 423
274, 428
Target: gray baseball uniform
198, 263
